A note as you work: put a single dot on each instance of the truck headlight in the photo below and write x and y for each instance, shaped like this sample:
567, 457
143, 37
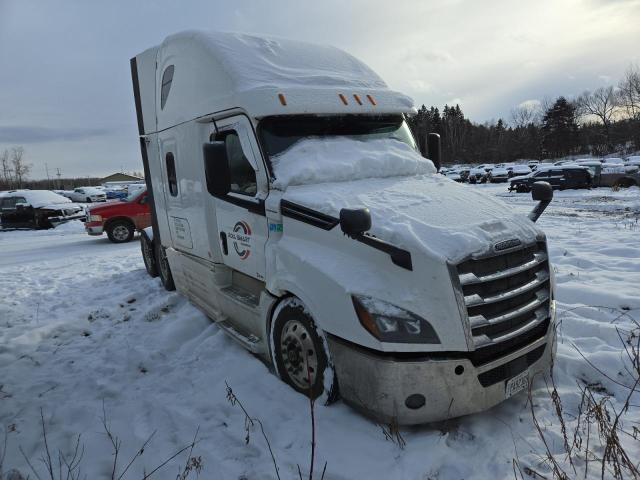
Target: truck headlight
389, 323
95, 218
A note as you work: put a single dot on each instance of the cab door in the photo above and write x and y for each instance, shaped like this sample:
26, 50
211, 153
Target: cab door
240, 214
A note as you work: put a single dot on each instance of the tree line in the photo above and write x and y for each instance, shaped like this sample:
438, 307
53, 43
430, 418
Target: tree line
13, 168
14, 174
598, 122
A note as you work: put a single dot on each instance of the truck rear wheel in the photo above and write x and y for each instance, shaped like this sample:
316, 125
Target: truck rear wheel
164, 271
120, 231
148, 255
300, 353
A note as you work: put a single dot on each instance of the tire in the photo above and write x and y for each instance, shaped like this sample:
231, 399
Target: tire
88, 200
296, 345
148, 255
624, 183
120, 231
164, 270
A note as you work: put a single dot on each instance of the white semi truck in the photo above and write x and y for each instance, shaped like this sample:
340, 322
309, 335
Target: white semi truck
292, 206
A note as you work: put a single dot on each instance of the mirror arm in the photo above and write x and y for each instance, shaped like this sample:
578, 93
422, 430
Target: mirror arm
538, 210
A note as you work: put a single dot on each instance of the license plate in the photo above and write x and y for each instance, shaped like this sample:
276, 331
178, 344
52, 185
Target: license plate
517, 384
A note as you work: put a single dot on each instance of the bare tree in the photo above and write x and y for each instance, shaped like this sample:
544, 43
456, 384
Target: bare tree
602, 103
629, 93
524, 115
5, 165
20, 168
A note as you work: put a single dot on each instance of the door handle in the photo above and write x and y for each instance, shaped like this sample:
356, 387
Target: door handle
223, 239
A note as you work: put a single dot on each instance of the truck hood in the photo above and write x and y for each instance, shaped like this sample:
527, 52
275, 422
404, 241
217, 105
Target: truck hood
424, 213
60, 206
106, 207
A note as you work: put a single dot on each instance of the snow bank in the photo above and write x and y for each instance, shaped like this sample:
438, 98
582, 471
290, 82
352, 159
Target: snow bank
321, 160
82, 326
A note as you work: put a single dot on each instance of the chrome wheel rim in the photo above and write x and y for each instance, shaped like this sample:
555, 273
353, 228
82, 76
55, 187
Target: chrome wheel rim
121, 232
298, 354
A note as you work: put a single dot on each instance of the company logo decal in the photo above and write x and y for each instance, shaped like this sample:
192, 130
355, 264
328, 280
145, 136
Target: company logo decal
241, 237
275, 227
514, 242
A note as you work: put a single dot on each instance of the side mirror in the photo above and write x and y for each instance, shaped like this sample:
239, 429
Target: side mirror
434, 149
355, 221
542, 193
216, 168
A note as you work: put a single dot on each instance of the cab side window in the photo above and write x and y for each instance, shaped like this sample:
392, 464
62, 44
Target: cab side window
8, 203
172, 177
243, 176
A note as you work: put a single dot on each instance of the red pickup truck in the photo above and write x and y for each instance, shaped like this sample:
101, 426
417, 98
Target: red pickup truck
120, 219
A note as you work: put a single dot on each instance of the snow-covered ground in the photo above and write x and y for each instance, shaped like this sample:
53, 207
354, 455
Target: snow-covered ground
82, 326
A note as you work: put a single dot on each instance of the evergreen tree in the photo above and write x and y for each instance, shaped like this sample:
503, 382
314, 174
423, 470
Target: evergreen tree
559, 129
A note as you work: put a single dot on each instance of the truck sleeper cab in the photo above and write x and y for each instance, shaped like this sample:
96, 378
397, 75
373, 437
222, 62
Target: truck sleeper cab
291, 205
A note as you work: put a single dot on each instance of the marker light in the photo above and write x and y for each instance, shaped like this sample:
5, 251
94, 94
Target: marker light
343, 98
370, 98
357, 99
283, 100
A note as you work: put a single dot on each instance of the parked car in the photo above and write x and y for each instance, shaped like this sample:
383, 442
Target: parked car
454, 175
633, 160
613, 161
479, 174
612, 174
86, 195
134, 188
114, 192
396, 292
464, 174
498, 175
559, 177
36, 209
121, 219
519, 170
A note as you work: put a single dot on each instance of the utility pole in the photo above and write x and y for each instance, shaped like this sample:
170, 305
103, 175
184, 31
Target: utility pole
46, 167
59, 175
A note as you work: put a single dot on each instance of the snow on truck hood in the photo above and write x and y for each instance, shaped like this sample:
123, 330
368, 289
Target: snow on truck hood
410, 206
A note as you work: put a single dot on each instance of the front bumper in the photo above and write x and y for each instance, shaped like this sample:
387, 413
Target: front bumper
94, 228
379, 386
60, 219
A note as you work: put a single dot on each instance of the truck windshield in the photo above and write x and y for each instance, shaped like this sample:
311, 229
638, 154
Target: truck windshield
280, 133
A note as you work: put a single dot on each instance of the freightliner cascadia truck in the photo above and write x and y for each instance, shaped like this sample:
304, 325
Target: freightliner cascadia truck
292, 205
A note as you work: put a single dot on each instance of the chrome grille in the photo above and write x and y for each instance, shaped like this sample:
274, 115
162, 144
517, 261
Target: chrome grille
506, 295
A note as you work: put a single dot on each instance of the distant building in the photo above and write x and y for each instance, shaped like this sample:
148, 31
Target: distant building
121, 178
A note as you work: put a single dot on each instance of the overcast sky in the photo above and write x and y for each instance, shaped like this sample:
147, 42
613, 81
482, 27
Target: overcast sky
65, 87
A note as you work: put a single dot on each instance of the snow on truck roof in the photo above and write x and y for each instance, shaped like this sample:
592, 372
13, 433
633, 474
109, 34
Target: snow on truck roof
207, 72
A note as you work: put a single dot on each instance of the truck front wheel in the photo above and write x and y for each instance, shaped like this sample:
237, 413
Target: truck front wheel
300, 353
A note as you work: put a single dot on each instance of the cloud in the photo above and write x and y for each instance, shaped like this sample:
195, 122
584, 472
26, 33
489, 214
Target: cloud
27, 135
532, 104
420, 86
